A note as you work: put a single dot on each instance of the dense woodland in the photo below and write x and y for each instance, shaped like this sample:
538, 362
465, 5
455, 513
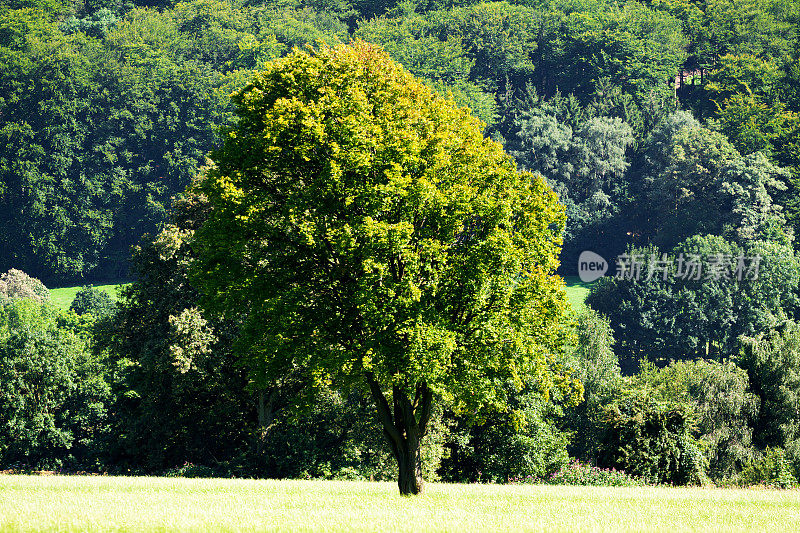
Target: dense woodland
664, 127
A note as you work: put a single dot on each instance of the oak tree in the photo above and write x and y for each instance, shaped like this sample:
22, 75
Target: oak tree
365, 231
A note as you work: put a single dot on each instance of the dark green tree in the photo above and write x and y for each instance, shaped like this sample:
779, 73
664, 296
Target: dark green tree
93, 301
692, 181
682, 307
724, 406
772, 361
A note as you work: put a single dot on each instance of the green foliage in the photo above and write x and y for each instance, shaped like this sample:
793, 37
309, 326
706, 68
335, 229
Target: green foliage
353, 203
109, 107
96, 25
742, 74
772, 361
191, 471
592, 358
585, 166
498, 36
692, 181
756, 27
771, 469
393, 188
181, 396
336, 437
93, 301
697, 318
652, 439
724, 407
95, 165
522, 443
54, 393
443, 62
755, 107
408, 41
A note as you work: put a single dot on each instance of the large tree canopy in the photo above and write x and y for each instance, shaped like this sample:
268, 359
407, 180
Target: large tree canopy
370, 234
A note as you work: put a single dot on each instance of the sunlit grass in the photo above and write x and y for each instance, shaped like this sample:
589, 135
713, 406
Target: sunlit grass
63, 297
577, 291
38, 503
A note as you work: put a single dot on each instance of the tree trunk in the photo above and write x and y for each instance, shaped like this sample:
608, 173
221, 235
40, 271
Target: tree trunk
409, 470
404, 430
265, 414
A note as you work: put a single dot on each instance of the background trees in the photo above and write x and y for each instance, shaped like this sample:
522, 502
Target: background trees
696, 318
671, 127
54, 391
100, 135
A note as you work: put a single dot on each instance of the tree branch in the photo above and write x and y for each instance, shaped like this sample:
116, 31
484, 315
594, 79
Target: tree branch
424, 408
384, 413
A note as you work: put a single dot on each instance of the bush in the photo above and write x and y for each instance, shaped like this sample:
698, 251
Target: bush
652, 439
771, 469
16, 284
724, 406
332, 436
191, 470
772, 361
525, 442
578, 473
54, 392
93, 301
595, 364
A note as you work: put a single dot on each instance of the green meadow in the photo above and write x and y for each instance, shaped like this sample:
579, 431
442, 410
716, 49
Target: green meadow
577, 291
101, 503
63, 297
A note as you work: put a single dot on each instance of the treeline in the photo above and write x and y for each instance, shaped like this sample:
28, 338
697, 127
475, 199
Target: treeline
107, 109
148, 385
665, 128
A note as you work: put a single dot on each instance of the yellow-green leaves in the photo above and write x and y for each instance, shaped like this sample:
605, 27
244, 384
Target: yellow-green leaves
371, 227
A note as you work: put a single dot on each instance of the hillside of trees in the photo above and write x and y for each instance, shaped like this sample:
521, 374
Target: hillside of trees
667, 129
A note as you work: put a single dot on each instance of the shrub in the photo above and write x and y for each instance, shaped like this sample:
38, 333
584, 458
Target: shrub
724, 407
16, 284
595, 364
652, 439
93, 301
54, 392
771, 469
525, 442
577, 473
191, 470
772, 361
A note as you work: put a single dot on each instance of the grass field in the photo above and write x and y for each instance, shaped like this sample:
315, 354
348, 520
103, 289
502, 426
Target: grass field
98, 503
63, 297
577, 291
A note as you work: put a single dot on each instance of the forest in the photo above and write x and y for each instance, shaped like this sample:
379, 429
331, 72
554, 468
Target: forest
668, 129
